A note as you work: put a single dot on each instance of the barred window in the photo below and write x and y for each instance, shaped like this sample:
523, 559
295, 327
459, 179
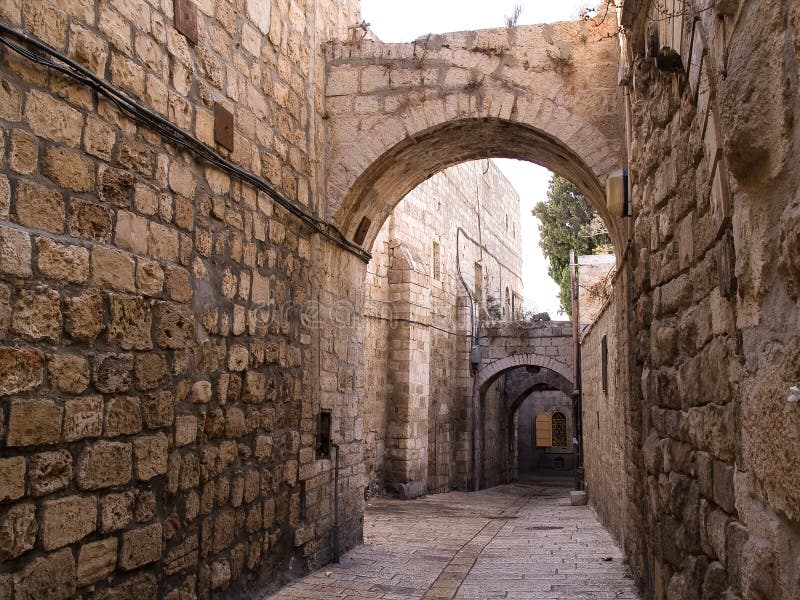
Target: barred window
559, 437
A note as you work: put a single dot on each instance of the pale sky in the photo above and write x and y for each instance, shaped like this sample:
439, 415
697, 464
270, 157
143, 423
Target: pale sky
411, 19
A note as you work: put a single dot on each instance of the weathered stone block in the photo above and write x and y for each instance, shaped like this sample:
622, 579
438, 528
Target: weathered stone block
112, 372
145, 507
68, 169
37, 315
131, 322
185, 430
149, 277
83, 317
131, 232
163, 242
68, 372
53, 119
34, 422
724, 494
96, 561
18, 528
220, 574
88, 220
182, 556
12, 478
116, 187
104, 464
254, 387
5, 195
21, 369
224, 529
235, 425
174, 325
116, 511
157, 410
123, 416
140, 547
39, 207
51, 577
49, 472
15, 252
201, 392
151, 456
83, 418
179, 284
113, 269
141, 587
67, 520
24, 152
61, 261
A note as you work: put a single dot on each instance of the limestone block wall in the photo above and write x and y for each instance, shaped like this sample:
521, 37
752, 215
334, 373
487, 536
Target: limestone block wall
712, 288
158, 394
413, 275
604, 433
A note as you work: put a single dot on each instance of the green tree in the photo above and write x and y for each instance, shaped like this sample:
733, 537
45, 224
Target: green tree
568, 223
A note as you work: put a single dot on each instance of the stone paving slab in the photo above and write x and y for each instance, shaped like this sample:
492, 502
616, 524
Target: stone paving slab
515, 542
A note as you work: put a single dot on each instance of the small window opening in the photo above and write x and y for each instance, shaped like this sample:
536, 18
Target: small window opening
559, 430
323, 444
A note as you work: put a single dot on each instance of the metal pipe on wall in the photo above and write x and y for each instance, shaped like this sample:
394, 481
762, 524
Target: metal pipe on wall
577, 400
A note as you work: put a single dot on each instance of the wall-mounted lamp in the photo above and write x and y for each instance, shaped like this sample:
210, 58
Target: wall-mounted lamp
617, 194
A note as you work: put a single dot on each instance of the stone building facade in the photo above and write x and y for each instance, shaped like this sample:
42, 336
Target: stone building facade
157, 419
179, 317
462, 223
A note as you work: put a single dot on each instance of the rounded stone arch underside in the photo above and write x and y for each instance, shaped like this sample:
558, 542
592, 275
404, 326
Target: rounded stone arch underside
379, 188
544, 377
489, 372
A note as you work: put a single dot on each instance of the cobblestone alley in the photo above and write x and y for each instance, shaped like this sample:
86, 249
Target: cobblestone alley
513, 541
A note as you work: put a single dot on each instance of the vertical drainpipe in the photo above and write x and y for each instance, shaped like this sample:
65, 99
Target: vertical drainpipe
577, 400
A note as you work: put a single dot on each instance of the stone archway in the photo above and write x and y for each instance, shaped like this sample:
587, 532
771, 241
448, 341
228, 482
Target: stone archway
490, 371
520, 384
399, 113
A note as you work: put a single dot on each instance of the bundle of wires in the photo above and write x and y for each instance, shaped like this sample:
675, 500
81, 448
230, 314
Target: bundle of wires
53, 59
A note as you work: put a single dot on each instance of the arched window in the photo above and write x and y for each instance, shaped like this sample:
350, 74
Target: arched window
559, 424
544, 430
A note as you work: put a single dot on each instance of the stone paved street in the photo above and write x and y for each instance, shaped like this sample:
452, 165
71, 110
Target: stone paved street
521, 541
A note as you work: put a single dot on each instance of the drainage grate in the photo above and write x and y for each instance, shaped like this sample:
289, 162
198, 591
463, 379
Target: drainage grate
543, 528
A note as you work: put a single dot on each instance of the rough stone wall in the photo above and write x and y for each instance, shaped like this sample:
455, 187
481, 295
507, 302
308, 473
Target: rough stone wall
595, 273
156, 428
530, 457
476, 197
710, 421
604, 435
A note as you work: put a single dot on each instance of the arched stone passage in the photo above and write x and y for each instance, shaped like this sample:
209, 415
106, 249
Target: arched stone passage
399, 113
492, 370
543, 377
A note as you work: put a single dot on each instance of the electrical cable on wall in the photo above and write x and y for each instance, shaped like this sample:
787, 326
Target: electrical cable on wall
170, 132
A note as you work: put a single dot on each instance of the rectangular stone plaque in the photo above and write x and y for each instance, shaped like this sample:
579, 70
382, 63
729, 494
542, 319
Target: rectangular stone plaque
223, 126
186, 19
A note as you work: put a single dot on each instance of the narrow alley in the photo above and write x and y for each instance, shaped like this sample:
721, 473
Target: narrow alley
518, 541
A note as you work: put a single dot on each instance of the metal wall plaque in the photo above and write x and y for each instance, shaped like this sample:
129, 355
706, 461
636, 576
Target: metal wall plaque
223, 126
186, 19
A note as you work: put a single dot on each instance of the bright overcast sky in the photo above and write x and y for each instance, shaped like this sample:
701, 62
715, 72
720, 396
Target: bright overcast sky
411, 19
